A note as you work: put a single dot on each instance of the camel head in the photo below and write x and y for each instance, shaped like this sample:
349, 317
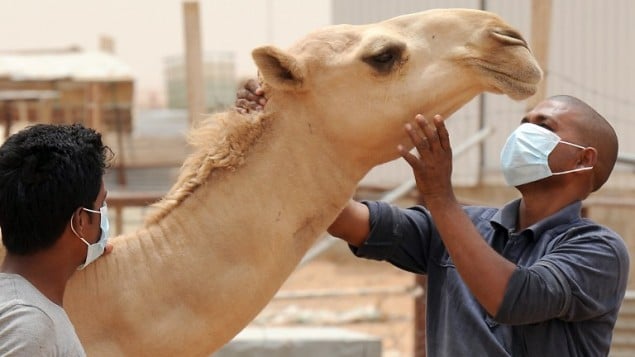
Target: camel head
360, 84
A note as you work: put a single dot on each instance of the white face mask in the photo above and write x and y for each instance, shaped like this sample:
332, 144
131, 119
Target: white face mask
525, 156
95, 250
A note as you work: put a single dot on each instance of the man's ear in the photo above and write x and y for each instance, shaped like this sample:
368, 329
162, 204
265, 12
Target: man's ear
588, 157
78, 220
278, 69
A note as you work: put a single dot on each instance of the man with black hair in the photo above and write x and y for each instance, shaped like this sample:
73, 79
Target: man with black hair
54, 221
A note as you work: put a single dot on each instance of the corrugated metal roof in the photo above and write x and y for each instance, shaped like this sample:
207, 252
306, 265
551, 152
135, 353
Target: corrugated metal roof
80, 66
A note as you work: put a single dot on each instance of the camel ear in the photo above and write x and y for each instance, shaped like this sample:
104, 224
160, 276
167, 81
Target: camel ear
278, 69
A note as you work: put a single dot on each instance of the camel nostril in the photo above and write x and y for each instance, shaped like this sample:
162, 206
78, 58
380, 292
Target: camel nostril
509, 37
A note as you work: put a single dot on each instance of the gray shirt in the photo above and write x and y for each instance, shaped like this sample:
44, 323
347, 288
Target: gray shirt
562, 300
31, 324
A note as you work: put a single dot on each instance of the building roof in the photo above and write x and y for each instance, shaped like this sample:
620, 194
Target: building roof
8, 95
79, 66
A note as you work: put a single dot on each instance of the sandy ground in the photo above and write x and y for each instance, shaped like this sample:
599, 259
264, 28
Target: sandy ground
376, 299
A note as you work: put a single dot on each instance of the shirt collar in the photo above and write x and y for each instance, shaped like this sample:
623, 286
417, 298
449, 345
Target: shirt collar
507, 217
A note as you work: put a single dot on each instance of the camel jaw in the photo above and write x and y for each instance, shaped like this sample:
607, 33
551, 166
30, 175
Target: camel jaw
516, 86
516, 78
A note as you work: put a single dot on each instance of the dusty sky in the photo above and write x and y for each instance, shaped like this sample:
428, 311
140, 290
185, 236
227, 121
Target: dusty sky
147, 31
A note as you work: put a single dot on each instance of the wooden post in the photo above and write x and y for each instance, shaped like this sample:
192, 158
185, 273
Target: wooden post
23, 110
540, 32
119, 130
482, 108
95, 109
107, 44
8, 118
44, 111
193, 60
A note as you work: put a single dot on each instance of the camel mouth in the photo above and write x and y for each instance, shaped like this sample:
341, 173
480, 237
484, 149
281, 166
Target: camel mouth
514, 83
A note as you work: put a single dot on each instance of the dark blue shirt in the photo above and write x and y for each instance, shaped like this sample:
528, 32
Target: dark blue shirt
562, 300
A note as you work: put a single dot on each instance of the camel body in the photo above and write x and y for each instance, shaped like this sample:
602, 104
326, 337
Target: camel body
260, 188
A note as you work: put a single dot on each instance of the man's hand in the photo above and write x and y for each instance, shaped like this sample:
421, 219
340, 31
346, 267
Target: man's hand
485, 272
433, 168
250, 97
108, 248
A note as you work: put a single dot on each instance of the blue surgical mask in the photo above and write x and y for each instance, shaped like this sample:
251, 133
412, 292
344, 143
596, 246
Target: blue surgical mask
525, 156
95, 250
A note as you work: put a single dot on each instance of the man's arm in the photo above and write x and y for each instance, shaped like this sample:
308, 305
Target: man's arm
582, 277
485, 272
352, 224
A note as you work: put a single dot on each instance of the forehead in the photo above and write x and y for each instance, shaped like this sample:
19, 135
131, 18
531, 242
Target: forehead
562, 112
564, 118
553, 108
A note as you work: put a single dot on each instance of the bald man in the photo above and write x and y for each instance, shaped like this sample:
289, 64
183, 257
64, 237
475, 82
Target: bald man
533, 278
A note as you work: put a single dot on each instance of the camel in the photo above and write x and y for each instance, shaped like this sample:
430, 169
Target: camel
260, 188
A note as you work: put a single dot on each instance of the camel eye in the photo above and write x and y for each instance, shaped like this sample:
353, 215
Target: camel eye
384, 60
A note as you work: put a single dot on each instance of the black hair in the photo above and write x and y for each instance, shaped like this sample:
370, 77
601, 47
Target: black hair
46, 173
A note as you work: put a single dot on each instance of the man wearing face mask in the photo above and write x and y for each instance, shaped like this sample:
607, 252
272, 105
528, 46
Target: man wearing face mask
54, 221
533, 278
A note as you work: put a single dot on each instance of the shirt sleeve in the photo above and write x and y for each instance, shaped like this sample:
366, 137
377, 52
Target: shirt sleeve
585, 276
399, 236
26, 331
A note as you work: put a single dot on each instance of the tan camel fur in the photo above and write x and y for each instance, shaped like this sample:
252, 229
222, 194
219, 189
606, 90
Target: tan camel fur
261, 188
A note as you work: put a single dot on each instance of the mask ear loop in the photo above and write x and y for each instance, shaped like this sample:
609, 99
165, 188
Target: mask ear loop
586, 168
74, 231
574, 145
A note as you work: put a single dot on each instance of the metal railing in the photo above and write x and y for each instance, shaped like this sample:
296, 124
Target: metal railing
626, 158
